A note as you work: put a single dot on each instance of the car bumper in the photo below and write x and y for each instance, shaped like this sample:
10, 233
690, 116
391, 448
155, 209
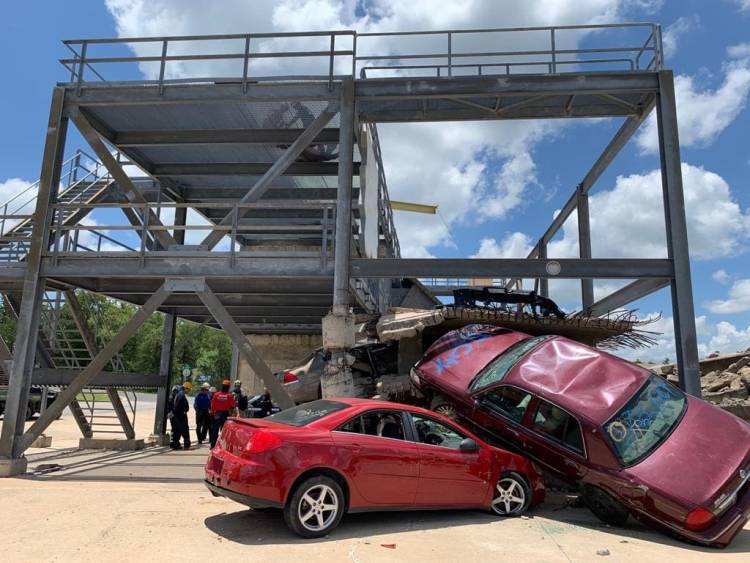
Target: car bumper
252, 502
248, 482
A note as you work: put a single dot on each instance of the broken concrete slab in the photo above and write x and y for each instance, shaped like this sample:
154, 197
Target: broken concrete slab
12, 467
42, 441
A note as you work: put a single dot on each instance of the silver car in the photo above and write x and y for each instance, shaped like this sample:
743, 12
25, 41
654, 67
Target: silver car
370, 362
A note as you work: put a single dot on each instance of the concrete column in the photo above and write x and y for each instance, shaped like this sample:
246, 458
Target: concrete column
27, 329
338, 327
584, 246
686, 342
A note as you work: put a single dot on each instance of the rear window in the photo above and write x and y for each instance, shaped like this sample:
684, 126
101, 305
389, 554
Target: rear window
307, 413
501, 365
646, 420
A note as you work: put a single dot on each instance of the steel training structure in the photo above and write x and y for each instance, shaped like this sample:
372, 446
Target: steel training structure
237, 181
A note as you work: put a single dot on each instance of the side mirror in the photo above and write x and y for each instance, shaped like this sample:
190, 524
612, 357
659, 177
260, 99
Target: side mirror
468, 445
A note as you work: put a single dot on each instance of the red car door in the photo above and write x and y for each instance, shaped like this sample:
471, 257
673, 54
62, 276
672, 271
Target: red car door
382, 464
501, 410
447, 475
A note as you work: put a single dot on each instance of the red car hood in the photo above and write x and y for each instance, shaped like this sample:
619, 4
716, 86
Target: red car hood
456, 358
702, 455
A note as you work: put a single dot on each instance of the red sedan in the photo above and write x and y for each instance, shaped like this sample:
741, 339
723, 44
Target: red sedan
321, 459
632, 442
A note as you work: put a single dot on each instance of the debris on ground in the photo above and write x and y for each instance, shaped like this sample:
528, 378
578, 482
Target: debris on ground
726, 385
602, 552
388, 545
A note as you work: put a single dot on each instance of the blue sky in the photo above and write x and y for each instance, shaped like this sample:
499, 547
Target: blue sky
528, 169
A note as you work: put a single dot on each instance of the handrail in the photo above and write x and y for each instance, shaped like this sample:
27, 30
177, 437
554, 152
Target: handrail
547, 55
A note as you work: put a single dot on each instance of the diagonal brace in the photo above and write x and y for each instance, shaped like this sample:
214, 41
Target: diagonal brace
247, 351
114, 168
278, 168
92, 370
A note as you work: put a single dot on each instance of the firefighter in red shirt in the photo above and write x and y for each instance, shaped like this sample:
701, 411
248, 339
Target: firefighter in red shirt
222, 406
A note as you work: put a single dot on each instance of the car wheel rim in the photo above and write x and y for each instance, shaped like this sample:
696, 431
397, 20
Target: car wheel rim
448, 411
318, 508
510, 497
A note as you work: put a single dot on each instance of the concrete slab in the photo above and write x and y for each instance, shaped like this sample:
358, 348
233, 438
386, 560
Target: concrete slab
12, 467
42, 441
111, 444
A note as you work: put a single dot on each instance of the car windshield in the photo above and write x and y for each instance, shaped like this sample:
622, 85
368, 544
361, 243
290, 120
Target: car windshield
501, 365
307, 413
646, 420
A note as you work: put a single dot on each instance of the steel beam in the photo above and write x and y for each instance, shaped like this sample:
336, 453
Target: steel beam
343, 234
218, 136
569, 268
165, 373
543, 282
254, 360
123, 180
88, 374
76, 311
282, 165
266, 169
686, 340
57, 377
624, 296
584, 246
27, 327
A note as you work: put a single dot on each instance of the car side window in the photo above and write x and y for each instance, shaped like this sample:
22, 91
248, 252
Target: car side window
508, 401
385, 424
435, 433
558, 425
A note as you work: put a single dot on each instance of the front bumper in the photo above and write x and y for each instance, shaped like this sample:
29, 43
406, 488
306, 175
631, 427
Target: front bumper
252, 502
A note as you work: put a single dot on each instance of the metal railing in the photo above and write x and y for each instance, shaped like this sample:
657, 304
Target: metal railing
384, 208
549, 50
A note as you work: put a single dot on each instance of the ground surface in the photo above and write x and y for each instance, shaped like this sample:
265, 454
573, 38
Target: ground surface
140, 506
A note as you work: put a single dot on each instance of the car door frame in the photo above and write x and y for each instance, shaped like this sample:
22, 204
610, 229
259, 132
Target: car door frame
514, 426
409, 438
479, 456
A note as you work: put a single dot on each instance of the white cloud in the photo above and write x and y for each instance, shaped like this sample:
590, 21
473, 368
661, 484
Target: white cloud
743, 5
738, 301
720, 276
702, 113
514, 245
674, 32
728, 338
739, 51
21, 200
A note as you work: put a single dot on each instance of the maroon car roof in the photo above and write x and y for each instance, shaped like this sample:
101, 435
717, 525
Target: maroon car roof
586, 381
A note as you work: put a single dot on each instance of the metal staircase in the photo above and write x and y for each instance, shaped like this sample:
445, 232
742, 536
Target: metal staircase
86, 181
72, 347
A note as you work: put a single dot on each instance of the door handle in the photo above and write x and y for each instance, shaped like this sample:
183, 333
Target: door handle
570, 463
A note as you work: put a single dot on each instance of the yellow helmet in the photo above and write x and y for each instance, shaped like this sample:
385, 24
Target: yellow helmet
187, 385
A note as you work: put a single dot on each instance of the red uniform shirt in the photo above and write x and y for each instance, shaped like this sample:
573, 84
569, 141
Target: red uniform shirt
222, 401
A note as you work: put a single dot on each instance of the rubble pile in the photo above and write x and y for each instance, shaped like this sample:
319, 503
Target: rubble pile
728, 388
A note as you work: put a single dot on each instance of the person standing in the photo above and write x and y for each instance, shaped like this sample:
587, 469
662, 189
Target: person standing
240, 399
222, 405
180, 419
265, 404
202, 406
170, 409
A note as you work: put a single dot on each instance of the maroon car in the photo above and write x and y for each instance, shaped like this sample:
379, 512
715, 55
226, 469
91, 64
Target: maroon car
632, 442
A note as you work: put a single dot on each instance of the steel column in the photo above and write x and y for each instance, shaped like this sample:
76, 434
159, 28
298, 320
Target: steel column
90, 371
686, 341
254, 360
584, 246
343, 235
543, 282
276, 170
27, 328
165, 373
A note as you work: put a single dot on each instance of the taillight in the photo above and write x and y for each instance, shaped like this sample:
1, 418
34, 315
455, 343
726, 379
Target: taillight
289, 377
699, 519
262, 441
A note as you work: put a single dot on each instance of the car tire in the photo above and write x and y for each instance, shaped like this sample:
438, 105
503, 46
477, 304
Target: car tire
306, 513
605, 506
443, 406
511, 496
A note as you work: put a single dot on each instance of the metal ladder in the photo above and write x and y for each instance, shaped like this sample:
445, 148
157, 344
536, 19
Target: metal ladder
86, 179
106, 411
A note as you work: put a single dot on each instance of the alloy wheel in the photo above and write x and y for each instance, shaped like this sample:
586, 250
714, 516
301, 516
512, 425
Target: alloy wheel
510, 497
318, 508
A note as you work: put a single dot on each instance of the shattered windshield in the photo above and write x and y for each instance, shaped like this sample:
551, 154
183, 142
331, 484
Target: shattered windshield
501, 365
646, 420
